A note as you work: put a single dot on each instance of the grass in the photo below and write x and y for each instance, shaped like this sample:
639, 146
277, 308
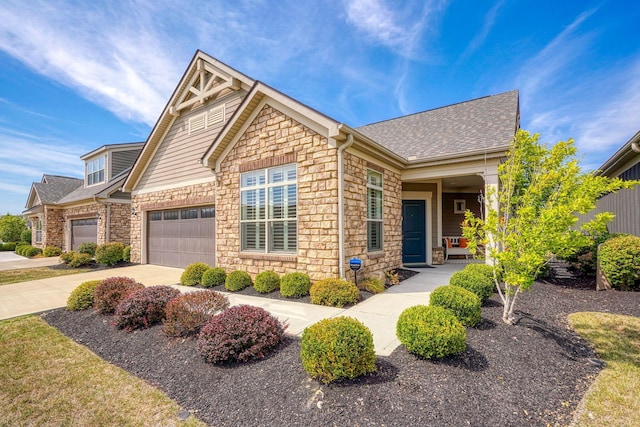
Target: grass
614, 398
26, 274
48, 379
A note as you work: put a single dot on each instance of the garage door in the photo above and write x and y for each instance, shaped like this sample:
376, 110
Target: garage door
179, 237
83, 231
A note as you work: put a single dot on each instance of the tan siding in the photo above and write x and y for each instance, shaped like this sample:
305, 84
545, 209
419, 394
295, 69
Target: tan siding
450, 221
178, 157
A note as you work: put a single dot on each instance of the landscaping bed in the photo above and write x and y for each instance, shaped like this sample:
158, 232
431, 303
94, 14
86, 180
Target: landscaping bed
533, 373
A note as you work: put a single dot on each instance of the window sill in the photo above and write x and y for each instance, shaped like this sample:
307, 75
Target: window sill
268, 257
376, 254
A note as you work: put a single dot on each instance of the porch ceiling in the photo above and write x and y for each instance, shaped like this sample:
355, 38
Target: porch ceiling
462, 183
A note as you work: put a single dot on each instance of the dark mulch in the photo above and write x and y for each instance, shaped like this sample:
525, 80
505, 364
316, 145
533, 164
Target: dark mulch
533, 373
92, 265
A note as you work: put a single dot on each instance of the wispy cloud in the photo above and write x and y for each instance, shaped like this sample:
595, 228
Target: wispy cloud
481, 36
14, 188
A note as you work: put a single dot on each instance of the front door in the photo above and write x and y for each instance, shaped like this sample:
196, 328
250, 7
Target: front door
413, 232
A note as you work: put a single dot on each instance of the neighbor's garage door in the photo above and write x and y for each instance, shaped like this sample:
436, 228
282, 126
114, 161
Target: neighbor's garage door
83, 231
179, 237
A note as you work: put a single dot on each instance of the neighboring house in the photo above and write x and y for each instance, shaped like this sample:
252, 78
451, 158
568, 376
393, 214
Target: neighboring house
625, 204
66, 212
241, 176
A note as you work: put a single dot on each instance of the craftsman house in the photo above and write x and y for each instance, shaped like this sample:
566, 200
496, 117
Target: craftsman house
241, 176
66, 212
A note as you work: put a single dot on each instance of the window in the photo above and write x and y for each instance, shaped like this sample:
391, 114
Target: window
374, 211
95, 171
207, 213
38, 230
170, 215
155, 216
189, 214
268, 210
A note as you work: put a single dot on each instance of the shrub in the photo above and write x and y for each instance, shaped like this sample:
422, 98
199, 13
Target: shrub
295, 285
30, 251
187, 313
78, 260
585, 261
10, 246
25, 236
461, 302
237, 280
474, 280
620, 261
111, 291
267, 281
334, 293
67, 256
214, 276
144, 307
81, 297
431, 331
372, 285
109, 253
88, 248
337, 349
126, 253
239, 333
192, 275
51, 251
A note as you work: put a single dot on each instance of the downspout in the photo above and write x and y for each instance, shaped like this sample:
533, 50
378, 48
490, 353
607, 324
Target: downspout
341, 243
108, 219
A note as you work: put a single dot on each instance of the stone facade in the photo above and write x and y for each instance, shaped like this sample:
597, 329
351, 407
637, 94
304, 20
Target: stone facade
355, 193
191, 195
51, 228
275, 139
120, 226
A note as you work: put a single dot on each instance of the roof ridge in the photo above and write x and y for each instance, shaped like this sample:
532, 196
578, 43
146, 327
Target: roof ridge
438, 108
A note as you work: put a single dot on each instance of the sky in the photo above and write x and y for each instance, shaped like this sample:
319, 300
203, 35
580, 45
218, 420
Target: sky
75, 75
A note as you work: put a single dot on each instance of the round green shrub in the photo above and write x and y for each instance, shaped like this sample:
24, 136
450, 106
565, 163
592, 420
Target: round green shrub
51, 251
88, 248
620, 262
187, 313
334, 292
30, 251
240, 333
295, 285
267, 281
109, 253
144, 307
192, 275
475, 281
78, 260
10, 246
431, 332
111, 291
214, 276
237, 280
67, 256
463, 303
126, 254
25, 236
337, 349
81, 297
372, 285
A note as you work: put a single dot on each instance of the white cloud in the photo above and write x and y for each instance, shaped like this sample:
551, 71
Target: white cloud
481, 36
14, 188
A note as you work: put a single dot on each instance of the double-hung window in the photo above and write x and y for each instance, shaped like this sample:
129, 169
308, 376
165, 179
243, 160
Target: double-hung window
95, 171
38, 230
268, 210
374, 211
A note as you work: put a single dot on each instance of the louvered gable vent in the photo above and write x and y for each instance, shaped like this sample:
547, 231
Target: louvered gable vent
197, 123
215, 116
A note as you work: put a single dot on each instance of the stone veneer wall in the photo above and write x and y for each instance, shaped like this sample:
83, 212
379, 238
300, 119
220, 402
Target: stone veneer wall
191, 195
275, 139
52, 228
120, 226
355, 193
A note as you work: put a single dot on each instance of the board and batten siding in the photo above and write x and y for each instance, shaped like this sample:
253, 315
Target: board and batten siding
121, 160
178, 158
625, 204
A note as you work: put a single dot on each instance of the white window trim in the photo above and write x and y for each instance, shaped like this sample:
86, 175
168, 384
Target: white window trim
381, 220
86, 171
268, 220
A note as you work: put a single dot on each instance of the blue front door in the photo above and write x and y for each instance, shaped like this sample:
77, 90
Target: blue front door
413, 232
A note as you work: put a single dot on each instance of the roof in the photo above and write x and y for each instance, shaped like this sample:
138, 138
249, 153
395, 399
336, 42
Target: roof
483, 124
626, 156
54, 187
101, 190
113, 147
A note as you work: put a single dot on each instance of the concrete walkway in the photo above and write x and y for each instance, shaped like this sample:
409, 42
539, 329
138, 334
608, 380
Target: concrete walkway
12, 261
379, 312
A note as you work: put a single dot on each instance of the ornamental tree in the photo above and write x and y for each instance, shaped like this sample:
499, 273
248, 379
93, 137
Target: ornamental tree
11, 227
541, 193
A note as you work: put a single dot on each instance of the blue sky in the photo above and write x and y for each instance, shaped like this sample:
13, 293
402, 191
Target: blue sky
75, 75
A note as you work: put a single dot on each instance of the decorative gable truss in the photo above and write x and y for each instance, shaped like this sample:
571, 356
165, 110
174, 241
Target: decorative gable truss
207, 83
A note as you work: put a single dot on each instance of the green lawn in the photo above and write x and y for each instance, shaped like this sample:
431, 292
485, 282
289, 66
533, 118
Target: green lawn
48, 379
614, 399
26, 274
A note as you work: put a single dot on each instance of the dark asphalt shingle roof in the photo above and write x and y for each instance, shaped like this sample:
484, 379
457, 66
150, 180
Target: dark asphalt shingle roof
54, 187
487, 123
100, 190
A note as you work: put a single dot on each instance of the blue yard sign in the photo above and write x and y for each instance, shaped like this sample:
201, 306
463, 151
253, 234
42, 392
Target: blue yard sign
355, 264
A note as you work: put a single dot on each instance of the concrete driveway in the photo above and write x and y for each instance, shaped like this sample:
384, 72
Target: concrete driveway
379, 312
12, 261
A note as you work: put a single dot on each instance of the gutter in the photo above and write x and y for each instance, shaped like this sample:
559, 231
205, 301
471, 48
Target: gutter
341, 238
